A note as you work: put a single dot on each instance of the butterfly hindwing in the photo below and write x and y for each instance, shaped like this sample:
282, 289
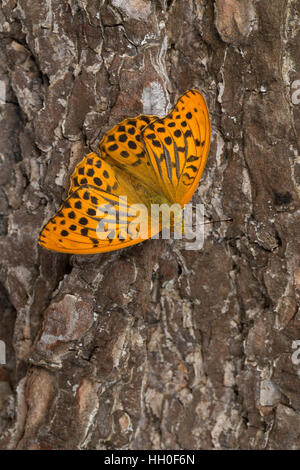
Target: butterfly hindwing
94, 171
123, 147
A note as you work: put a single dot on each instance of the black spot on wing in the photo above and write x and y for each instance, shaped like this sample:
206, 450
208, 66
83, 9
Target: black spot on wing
192, 158
189, 178
193, 168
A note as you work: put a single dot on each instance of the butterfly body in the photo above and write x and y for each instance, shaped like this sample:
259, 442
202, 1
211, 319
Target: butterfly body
144, 162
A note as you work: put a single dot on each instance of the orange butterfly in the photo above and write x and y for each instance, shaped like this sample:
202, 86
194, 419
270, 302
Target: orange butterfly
144, 160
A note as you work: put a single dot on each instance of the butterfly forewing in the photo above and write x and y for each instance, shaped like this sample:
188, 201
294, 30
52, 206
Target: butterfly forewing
99, 201
178, 146
91, 221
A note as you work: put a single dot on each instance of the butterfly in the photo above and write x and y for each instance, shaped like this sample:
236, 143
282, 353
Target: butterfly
143, 161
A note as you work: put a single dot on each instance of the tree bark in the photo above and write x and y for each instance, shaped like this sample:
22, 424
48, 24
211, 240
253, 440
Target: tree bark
154, 346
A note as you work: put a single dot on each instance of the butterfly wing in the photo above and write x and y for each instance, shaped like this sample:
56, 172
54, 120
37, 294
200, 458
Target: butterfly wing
178, 146
166, 154
98, 215
123, 147
93, 171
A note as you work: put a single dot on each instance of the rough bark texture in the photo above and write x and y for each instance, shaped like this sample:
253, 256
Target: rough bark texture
153, 347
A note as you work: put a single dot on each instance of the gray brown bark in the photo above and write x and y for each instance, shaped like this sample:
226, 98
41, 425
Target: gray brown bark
152, 347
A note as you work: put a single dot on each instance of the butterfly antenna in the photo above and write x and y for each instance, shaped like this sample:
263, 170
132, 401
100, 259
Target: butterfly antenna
216, 221
213, 222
